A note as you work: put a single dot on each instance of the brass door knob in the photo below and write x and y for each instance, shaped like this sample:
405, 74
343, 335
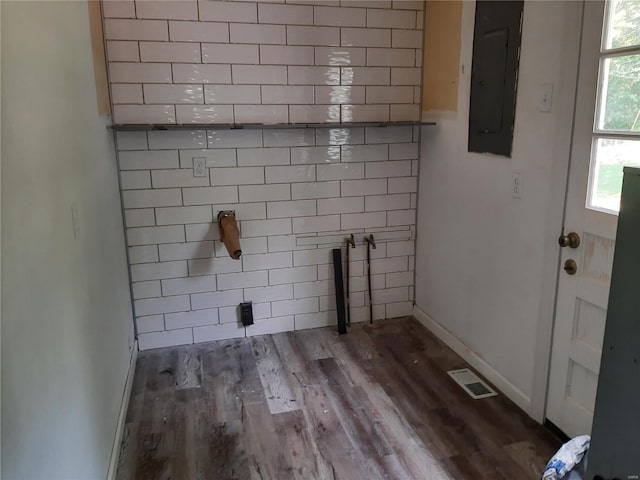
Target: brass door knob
571, 240
571, 267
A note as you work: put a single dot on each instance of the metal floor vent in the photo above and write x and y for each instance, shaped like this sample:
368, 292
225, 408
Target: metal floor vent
472, 384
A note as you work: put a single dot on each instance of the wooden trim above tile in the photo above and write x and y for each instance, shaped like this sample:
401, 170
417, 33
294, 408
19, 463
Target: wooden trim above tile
443, 23
99, 59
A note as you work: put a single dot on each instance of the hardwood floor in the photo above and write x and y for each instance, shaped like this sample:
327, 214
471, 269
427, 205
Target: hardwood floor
375, 403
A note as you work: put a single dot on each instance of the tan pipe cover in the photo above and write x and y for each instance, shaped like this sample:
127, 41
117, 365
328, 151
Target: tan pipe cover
229, 234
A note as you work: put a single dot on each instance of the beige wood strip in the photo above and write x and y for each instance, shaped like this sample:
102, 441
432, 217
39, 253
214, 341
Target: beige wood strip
99, 58
443, 23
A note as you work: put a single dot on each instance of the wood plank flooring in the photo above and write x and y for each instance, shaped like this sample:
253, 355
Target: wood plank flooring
373, 404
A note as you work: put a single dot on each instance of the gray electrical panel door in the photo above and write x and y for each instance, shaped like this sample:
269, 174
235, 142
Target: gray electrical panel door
615, 442
494, 76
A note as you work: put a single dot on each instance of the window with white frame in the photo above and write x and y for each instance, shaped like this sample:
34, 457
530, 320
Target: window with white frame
616, 133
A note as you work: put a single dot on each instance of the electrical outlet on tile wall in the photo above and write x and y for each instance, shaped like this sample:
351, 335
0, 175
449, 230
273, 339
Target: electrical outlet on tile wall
199, 167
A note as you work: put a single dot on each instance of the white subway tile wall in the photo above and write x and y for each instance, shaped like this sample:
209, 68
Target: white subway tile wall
287, 186
263, 62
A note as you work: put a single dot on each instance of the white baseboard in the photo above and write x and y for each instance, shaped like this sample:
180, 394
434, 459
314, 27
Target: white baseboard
124, 406
473, 359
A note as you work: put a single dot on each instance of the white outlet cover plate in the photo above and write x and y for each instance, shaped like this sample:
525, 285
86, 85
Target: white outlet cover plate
199, 167
516, 186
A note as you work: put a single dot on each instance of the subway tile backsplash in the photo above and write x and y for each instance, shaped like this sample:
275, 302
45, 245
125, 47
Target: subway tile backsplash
290, 188
271, 62
299, 61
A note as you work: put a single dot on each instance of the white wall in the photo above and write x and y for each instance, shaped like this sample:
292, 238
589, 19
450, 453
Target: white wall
67, 327
485, 260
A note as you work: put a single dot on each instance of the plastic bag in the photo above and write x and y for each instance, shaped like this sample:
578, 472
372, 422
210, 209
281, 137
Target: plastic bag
565, 459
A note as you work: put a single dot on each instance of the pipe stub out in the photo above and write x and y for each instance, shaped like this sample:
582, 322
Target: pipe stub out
229, 233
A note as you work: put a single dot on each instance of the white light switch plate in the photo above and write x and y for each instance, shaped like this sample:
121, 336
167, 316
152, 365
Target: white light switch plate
545, 98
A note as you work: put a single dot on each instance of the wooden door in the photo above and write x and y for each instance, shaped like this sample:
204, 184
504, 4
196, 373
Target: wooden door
605, 139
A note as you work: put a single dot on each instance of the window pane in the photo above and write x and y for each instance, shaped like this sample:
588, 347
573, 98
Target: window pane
623, 29
605, 182
620, 107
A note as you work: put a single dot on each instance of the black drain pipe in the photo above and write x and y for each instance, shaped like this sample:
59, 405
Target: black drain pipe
371, 243
350, 243
337, 269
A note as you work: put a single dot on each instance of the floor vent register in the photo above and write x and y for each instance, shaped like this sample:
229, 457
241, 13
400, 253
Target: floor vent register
472, 384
